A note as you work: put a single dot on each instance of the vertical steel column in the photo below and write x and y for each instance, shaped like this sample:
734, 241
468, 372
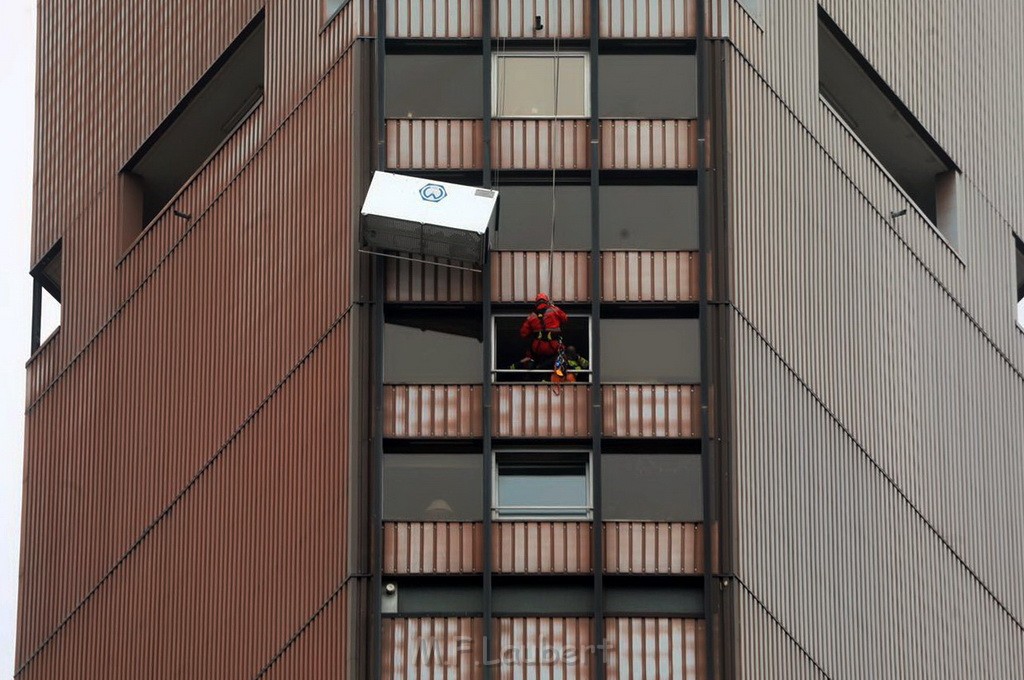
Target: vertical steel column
377, 453
488, 566
596, 419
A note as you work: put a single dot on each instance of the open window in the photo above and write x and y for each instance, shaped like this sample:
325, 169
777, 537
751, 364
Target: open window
510, 348
433, 487
541, 85
433, 346
1019, 291
887, 128
46, 296
542, 485
215, 107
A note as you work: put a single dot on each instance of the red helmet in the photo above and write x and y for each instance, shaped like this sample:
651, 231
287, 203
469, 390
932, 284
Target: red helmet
542, 298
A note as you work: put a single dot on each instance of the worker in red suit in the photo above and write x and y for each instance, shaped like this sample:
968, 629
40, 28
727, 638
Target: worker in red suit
543, 330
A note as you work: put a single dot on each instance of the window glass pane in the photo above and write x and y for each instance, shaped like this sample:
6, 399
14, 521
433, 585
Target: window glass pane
525, 217
441, 349
650, 350
648, 86
434, 86
525, 86
433, 487
651, 486
537, 487
639, 217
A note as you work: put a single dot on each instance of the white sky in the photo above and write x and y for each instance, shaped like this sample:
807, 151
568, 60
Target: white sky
17, 83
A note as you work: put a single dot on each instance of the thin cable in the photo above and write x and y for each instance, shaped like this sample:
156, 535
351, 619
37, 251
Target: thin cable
555, 126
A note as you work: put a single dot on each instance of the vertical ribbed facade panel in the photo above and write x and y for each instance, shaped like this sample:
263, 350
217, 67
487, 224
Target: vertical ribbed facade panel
424, 281
653, 548
518, 276
559, 18
432, 648
650, 276
649, 145
651, 411
656, 649
433, 547
434, 18
540, 144
434, 144
546, 648
433, 411
541, 410
542, 547
649, 18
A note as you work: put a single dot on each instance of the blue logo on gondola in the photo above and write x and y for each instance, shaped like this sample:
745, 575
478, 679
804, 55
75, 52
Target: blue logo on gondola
433, 193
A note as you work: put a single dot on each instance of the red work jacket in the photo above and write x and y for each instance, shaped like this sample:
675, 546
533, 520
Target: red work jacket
545, 327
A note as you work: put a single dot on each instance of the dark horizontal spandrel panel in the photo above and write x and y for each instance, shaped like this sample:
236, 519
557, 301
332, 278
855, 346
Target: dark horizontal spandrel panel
434, 86
642, 217
651, 486
647, 86
427, 598
520, 598
524, 220
433, 349
437, 487
621, 597
650, 351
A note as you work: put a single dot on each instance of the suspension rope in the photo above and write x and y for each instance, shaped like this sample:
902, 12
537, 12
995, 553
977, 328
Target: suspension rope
555, 127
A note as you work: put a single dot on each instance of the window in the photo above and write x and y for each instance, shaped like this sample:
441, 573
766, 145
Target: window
542, 485
648, 86
434, 346
650, 351
433, 487
639, 217
46, 296
665, 487
510, 348
224, 97
1020, 281
887, 128
413, 88
525, 222
540, 85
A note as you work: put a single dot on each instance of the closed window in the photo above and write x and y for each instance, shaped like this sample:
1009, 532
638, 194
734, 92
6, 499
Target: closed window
434, 86
664, 487
542, 485
433, 487
540, 85
433, 347
1019, 291
526, 223
648, 86
650, 351
641, 217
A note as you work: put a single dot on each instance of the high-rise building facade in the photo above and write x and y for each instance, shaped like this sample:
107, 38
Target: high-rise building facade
788, 240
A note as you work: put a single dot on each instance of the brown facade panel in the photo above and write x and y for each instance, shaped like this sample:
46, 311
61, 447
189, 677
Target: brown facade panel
653, 548
433, 547
671, 411
648, 144
649, 18
655, 648
450, 411
560, 18
432, 648
542, 547
540, 410
517, 276
540, 144
543, 647
650, 276
434, 144
434, 18
419, 281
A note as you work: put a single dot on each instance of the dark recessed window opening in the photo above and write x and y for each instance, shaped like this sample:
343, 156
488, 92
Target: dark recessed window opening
433, 487
511, 349
650, 351
436, 347
1020, 281
534, 485
664, 487
46, 296
224, 97
540, 85
859, 96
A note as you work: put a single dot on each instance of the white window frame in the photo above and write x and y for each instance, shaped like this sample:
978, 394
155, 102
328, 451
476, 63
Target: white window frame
496, 508
496, 64
495, 371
